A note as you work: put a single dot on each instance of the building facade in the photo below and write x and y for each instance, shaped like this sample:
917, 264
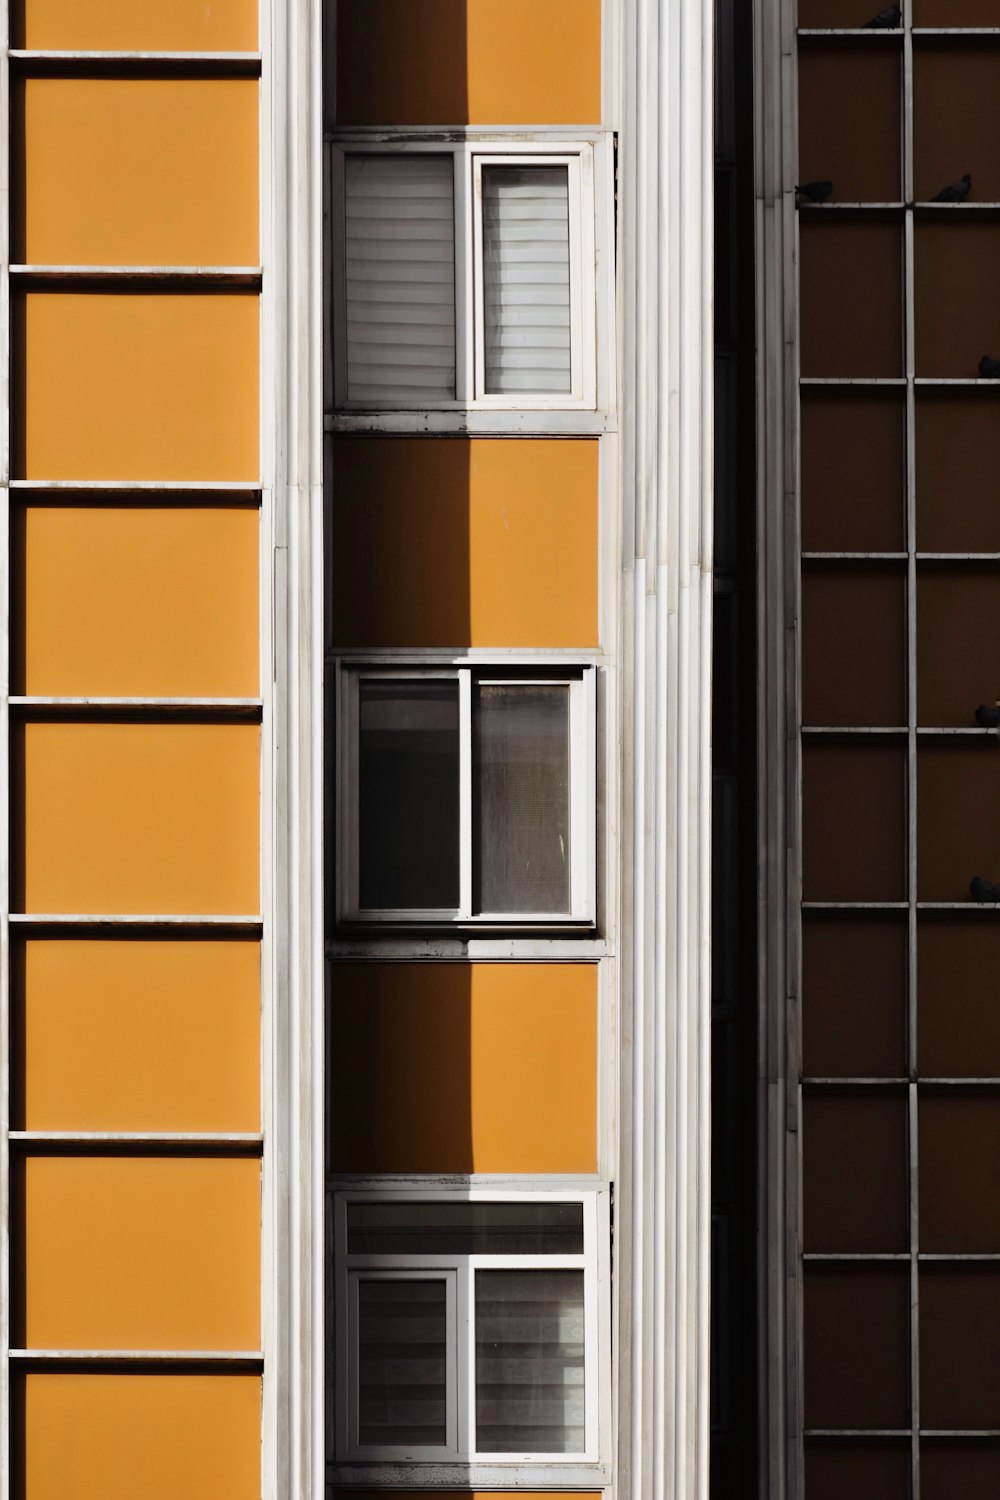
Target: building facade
489, 565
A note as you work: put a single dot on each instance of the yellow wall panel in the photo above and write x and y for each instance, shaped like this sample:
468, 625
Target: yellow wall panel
134, 1034
464, 1068
136, 601
164, 1437
482, 62
465, 542
139, 1252
136, 25
137, 386
132, 817
136, 171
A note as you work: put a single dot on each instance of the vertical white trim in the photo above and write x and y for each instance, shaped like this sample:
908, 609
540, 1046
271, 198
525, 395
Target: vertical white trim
665, 256
778, 768
292, 425
5, 841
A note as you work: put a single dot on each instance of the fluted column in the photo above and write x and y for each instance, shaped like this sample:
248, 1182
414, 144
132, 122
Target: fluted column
666, 396
292, 406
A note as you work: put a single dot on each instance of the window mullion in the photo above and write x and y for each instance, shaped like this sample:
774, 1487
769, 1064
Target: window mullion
463, 280
453, 1362
583, 794
465, 1361
475, 177
465, 791
350, 823
575, 278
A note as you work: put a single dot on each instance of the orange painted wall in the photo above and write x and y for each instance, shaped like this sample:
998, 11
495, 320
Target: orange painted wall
465, 542
98, 160
136, 1034
136, 25
123, 600
479, 62
136, 385
113, 1437
129, 596
165, 1252
137, 817
463, 1068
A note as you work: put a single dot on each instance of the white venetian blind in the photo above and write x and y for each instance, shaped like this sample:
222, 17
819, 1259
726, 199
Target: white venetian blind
530, 1390
400, 266
526, 291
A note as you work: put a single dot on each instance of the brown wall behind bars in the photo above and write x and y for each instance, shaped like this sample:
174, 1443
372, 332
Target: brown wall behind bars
885, 647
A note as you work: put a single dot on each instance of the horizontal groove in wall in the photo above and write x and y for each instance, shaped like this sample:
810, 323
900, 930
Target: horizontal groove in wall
120, 709
49, 921
126, 1143
128, 1358
166, 276
125, 488
148, 64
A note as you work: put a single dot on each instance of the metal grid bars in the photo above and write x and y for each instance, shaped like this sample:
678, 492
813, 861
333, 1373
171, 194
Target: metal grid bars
895, 559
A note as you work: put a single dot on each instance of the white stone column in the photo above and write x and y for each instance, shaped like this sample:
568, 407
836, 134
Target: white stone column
293, 1456
663, 1222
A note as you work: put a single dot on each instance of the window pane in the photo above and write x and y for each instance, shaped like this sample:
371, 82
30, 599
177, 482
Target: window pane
522, 798
465, 1229
529, 1362
402, 1389
400, 264
526, 279
408, 795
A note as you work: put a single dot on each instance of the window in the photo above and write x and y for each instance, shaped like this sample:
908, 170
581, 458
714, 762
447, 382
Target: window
467, 795
465, 277
466, 1328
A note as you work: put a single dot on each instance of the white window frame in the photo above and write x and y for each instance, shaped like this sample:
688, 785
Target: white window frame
470, 156
581, 681
460, 1356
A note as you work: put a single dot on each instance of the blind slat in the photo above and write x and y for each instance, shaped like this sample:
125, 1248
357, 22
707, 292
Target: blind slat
400, 272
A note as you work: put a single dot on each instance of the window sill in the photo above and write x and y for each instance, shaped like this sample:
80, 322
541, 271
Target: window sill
574, 1474
475, 423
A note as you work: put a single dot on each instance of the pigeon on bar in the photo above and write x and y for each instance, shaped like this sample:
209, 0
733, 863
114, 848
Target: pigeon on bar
988, 718
886, 20
955, 192
989, 369
984, 890
816, 192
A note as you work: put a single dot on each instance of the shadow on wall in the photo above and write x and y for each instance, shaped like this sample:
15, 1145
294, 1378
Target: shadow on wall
400, 544
461, 542
466, 62
460, 1068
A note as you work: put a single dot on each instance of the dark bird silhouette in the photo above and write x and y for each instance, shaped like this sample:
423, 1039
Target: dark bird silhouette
816, 192
955, 192
984, 890
988, 718
989, 369
886, 20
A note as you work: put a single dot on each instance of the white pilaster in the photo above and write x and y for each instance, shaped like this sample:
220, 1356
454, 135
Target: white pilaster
292, 750
663, 1216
